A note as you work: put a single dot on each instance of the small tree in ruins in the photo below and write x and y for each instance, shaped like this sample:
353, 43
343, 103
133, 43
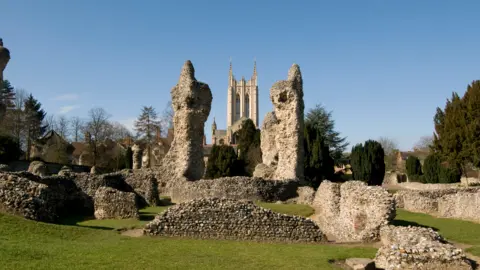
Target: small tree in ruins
146, 125
96, 130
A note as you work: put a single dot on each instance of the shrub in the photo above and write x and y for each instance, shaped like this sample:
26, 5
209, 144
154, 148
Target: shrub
249, 146
449, 175
223, 162
413, 166
318, 164
368, 162
9, 149
431, 168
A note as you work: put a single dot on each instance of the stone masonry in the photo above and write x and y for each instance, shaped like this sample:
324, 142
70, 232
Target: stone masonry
4, 58
191, 102
417, 248
115, 204
461, 203
137, 157
231, 219
353, 211
285, 127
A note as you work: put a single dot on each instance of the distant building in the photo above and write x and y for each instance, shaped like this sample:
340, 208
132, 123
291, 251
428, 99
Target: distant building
242, 104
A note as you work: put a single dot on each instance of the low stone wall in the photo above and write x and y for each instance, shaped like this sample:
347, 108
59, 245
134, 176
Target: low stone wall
115, 204
144, 183
394, 178
231, 219
417, 248
239, 188
42, 199
470, 181
460, 203
306, 195
352, 211
422, 186
53, 168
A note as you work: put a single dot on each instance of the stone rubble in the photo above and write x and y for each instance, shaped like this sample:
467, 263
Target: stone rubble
38, 168
353, 211
417, 248
231, 219
282, 133
115, 204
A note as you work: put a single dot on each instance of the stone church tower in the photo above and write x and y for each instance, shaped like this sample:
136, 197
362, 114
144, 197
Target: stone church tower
242, 98
242, 104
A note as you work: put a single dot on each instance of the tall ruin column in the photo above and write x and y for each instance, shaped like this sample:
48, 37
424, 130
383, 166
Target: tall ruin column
4, 58
137, 157
191, 101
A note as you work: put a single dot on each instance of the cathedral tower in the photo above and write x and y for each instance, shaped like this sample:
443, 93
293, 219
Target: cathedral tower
242, 98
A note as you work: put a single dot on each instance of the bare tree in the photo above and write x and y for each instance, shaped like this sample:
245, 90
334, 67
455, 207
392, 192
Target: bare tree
51, 122
62, 126
118, 131
390, 146
424, 143
167, 118
97, 128
76, 126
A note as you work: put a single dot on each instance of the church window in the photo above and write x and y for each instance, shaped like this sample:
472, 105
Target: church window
237, 108
247, 106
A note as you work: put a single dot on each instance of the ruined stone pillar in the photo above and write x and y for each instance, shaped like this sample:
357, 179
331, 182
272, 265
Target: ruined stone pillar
137, 157
282, 132
4, 58
191, 102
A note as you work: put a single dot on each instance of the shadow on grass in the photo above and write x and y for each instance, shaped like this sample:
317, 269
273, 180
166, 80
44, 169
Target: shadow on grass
74, 220
406, 223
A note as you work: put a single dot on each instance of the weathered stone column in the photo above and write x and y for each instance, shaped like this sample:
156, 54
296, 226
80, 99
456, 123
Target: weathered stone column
137, 157
4, 58
191, 102
282, 132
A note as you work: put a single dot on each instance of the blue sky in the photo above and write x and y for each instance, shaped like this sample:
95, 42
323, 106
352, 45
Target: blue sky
381, 66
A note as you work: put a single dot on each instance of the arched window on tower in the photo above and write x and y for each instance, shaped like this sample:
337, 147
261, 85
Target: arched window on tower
237, 107
247, 106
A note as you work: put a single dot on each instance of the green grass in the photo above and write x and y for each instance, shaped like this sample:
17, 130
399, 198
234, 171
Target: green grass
460, 231
149, 213
289, 209
26, 244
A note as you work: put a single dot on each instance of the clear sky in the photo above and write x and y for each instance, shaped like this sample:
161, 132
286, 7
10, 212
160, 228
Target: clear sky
381, 66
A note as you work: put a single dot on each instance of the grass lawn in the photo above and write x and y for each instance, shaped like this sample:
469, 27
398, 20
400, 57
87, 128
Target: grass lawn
26, 244
149, 213
454, 230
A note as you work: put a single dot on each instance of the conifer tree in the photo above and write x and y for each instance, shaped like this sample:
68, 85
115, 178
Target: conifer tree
414, 168
34, 115
318, 164
249, 145
146, 125
223, 162
129, 158
368, 163
7, 97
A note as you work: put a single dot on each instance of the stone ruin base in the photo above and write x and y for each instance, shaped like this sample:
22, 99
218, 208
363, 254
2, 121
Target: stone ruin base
352, 211
238, 187
460, 203
115, 204
216, 218
418, 248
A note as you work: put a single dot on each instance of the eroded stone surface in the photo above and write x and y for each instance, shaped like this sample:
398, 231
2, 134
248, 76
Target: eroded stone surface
38, 168
232, 219
191, 102
360, 263
137, 156
41, 198
353, 211
4, 58
282, 136
417, 248
115, 204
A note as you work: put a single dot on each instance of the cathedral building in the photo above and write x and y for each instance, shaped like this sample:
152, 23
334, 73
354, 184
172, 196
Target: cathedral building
242, 104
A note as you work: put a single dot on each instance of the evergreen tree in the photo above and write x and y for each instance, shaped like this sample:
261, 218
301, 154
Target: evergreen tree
431, 168
318, 164
472, 106
414, 168
146, 125
368, 162
9, 149
322, 120
34, 115
249, 146
129, 158
223, 162
7, 97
